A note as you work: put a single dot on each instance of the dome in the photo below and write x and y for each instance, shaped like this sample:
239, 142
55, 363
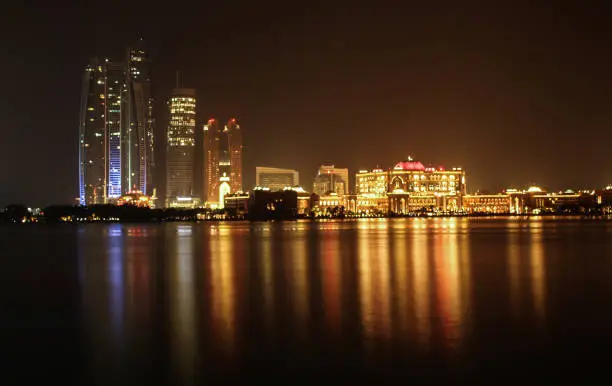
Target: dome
409, 165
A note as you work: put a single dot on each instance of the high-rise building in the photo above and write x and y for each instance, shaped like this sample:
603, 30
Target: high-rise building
234, 139
212, 138
331, 179
138, 137
180, 147
276, 178
222, 161
116, 117
92, 136
116, 121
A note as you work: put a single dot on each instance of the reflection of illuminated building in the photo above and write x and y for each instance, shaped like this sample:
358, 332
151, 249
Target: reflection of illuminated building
180, 145
136, 198
411, 187
276, 178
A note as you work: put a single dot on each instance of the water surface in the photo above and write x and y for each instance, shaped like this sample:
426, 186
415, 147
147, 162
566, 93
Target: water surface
444, 301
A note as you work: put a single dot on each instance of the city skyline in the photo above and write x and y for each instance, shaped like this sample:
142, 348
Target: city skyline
516, 96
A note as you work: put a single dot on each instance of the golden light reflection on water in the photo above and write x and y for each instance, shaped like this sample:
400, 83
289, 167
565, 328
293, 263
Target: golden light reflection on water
267, 282
182, 303
538, 269
401, 289
420, 280
374, 280
299, 271
331, 267
223, 290
448, 284
514, 267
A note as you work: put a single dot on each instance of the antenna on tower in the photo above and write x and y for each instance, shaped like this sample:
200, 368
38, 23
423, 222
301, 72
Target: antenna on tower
179, 79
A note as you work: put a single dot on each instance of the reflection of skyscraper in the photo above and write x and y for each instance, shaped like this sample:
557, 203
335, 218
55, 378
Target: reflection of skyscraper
180, 144
222, 160
138, 133
92, 138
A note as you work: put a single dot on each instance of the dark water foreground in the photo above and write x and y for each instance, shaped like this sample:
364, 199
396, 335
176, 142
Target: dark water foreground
405, 301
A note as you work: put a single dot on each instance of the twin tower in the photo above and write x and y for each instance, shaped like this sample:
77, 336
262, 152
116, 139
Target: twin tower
222, 155
222, 161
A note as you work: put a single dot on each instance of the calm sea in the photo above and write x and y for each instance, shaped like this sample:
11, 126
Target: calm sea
402, 301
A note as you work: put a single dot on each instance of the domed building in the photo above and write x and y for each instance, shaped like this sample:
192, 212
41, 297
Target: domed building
411, 187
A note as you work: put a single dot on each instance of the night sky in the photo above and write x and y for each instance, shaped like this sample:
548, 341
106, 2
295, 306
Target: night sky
515, 94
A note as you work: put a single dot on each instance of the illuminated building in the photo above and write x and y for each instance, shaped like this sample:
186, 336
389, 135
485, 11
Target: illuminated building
222, 160
237, 204
487, 203
183, 202
410, 187
180, 147
331, 179
212, 138
92, 137
234, 139
115, 90
116, 129
276, 178
138, 140
136, 198
102, 115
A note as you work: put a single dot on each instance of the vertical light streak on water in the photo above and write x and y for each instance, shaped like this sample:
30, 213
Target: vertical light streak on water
538, 269
298, 264
401, 263
364, 267
420, 279
446, 261
116, 281
513, 261
381, 281
223, 289
182, 304
331, 276
267, 274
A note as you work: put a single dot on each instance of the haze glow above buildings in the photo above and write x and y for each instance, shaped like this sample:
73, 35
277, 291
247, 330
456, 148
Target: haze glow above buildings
516, 95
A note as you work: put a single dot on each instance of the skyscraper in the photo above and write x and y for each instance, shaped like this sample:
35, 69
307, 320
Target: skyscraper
234, 139
180, 148
138, 138
101, 123
92, 138
222, 161
115, 119
212, 138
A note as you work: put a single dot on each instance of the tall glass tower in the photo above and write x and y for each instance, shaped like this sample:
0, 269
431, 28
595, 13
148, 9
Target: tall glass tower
211, 160
234, 148
115, 94
180, 146
138, 160
92, 137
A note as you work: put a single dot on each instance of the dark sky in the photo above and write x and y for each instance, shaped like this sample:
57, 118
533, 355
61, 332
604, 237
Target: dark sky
516, 94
